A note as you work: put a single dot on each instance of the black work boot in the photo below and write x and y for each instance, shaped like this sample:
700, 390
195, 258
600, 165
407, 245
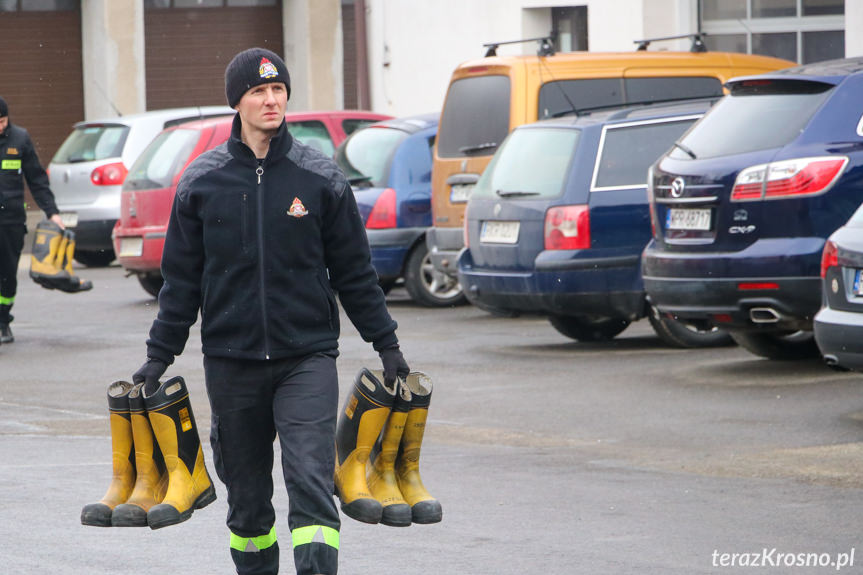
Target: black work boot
5, 319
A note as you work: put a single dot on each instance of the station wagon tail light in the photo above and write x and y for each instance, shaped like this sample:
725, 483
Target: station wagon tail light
109, 174
788, 178
829, 258
567, 228
383, 213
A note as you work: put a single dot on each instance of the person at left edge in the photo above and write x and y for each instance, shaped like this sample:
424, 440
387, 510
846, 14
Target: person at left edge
18, 161
264, 229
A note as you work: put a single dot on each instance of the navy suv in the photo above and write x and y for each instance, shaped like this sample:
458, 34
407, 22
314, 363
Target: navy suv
742, 205
557, 223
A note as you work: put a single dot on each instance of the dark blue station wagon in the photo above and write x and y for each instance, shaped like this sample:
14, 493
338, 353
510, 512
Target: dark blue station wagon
743, 204
557, 222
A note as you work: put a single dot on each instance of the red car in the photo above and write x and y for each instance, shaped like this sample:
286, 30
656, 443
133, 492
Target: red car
148, 191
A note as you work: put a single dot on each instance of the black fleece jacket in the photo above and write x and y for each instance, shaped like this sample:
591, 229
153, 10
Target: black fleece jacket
260, 248
18, 160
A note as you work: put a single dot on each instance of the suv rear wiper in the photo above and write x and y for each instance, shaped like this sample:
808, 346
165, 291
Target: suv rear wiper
477, 148
689, 152
514, 193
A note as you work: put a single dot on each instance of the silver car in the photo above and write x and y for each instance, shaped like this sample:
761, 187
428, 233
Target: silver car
88, 170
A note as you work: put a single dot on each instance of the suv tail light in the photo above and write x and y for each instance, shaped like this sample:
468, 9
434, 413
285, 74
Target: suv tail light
109, 174
567, 228
829, 258
384, 211
788, 178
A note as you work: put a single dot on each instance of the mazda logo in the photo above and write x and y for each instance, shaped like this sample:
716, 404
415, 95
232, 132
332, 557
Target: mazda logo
677, 187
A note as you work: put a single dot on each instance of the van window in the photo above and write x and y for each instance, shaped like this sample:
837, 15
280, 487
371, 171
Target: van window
532, 163
162, 160
567, 96
475, 118
761, 118
90, 143
627, 151
314, 134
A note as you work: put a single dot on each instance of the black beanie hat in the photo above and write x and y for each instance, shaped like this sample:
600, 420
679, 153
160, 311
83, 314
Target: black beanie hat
253, 67
4, 109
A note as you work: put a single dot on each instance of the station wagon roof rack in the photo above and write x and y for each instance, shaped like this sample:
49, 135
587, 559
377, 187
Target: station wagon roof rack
546, 45
697, 41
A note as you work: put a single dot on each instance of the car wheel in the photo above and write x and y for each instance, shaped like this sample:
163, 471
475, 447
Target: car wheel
426, 285
95, 259
783, 346
677, 333
585, 328
151, 283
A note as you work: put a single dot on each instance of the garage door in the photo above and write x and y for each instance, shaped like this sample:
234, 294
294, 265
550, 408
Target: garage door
188, 48
40, 69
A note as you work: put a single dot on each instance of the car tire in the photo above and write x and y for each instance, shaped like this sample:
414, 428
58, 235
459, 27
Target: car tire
94, 259
584, 328
151, 283
427, 286
778, 345
681, 334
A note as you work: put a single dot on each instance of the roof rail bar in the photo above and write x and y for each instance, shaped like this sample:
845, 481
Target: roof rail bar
697, 41
545, 48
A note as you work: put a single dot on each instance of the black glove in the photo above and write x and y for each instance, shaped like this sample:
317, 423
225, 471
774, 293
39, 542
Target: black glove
394, 365
149, 375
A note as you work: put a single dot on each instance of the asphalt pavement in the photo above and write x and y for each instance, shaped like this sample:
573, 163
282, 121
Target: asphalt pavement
549, 456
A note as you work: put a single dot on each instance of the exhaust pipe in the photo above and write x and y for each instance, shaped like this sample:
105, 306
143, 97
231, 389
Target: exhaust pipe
764, 315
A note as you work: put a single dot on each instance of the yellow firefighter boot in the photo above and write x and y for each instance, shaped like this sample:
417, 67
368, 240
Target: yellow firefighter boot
424, 507
71, 283
189, 484
123, 458
45, 254
381, 474
362, 417
151, 481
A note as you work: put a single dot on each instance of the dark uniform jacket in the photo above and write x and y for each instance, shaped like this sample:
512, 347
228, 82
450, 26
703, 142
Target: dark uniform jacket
18, 160
260, 249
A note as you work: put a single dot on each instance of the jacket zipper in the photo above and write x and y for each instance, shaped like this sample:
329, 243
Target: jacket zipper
260, 172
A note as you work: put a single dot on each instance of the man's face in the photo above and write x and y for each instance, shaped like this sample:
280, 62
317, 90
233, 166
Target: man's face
4, 121
263, 107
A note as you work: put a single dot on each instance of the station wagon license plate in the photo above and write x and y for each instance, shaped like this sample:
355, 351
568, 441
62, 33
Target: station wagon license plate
858, 282
69, 219
688, 219
131, 247
494, 232
459, 193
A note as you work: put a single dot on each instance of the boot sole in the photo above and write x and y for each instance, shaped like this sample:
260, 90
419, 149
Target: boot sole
127, 515
170, 515
398, 515
364, 510
426, 512
96, 515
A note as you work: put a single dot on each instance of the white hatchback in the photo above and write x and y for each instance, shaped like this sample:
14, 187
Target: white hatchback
88, 171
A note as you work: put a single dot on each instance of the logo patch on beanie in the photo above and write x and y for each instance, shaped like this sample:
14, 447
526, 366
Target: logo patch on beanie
267, 69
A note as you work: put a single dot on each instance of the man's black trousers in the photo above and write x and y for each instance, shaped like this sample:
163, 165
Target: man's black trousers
11, 244
252, 402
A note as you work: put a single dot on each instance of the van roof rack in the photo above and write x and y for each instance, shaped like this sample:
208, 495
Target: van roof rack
697, 41
546, 45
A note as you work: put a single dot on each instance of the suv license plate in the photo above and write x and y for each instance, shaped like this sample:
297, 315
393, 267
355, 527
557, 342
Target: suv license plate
70, 219
499, 232
688, 219
131, 247
459, 193
858, 282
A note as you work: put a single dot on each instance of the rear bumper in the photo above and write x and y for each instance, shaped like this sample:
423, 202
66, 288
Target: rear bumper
444, 245
707, 285
389, 249
840, 337
576, 288
153, 243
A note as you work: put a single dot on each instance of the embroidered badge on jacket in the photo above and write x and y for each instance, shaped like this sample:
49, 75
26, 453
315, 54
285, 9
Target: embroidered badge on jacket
12, 151
297, 210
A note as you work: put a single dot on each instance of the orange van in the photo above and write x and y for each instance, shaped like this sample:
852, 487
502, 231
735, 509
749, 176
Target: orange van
489, 97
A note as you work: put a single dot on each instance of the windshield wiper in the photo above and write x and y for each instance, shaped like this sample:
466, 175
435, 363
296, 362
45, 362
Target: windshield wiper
689, 152
514, 193
477, 148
